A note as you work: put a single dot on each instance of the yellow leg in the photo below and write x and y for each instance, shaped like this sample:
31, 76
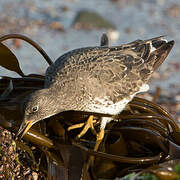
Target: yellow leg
88, 125
76, 126
99, 138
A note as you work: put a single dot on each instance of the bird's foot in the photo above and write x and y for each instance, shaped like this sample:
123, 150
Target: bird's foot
88, 125
99, 136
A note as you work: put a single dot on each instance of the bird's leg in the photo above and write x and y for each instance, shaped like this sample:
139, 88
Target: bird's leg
75, 126
88, 124
99, 138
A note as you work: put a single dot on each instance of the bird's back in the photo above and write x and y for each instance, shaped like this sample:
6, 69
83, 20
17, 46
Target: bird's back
114, 72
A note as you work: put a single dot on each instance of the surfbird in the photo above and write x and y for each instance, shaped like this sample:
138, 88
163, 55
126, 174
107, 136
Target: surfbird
99, 79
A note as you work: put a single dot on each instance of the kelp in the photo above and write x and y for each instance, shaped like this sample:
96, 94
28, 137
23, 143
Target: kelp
144, 138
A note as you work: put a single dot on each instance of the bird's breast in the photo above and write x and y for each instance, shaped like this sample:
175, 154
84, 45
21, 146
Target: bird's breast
106, 106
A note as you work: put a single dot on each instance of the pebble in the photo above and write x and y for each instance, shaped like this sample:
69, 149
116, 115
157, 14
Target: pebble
57, 26
173, 11
177, 97
113, 35
17, 43
89, 20
35, 176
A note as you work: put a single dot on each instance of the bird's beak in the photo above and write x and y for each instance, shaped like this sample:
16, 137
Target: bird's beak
25, 126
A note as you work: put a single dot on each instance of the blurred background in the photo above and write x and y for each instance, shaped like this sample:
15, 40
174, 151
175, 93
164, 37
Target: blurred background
62, 25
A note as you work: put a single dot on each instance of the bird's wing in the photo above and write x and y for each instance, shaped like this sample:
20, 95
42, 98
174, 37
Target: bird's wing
119, 70
117, 75
126, 68
70, 62
86, 55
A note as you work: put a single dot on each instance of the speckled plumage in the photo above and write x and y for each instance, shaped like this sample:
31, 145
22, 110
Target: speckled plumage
94, 78
84, 75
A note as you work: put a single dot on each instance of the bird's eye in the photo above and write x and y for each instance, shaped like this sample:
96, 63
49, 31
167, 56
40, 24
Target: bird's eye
35, 108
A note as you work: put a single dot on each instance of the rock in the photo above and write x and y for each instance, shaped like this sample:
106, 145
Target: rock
174, 10
177, 98
65, 8
91, 20
57, 26
35, 176
113, 35
17, 43
128, 30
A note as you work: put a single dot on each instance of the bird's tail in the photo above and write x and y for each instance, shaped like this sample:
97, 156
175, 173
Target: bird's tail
160, 49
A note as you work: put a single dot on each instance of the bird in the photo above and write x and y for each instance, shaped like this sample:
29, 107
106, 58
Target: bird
101, 79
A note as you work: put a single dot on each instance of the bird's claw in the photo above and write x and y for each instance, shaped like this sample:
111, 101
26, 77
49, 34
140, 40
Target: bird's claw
88, 125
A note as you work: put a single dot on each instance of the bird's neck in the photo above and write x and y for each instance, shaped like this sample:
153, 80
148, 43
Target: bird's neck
59, 98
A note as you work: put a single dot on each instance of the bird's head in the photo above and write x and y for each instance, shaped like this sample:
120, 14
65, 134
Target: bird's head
37, 106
